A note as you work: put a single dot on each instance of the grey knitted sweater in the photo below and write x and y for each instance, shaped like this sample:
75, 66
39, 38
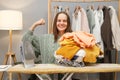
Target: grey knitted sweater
44, 46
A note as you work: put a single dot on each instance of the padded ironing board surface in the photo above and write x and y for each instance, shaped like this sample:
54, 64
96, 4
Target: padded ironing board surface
53, 68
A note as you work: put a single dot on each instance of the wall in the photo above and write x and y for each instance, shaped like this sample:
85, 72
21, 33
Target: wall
32, 10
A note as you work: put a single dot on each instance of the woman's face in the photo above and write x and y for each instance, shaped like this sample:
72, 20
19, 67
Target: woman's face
61, 23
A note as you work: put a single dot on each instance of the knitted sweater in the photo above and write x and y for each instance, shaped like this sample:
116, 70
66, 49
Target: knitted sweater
43, 45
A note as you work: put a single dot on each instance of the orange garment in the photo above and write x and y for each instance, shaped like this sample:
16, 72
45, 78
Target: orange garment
82, 38
68, 49
91, 54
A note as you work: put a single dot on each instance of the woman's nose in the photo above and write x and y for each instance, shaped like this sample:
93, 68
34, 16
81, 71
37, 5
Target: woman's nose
61, 22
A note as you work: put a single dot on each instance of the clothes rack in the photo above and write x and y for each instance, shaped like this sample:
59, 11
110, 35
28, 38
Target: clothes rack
83, 1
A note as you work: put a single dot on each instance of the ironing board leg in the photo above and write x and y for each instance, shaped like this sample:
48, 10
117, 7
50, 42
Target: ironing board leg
67, 76
39, 76
48, 77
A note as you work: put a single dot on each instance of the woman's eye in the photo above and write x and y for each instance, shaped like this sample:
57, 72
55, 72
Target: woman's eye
64, 20
58, 20
61, 20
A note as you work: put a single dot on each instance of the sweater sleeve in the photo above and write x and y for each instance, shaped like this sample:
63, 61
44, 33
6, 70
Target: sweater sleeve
34, 40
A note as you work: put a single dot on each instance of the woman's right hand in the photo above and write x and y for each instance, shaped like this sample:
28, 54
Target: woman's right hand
37, 23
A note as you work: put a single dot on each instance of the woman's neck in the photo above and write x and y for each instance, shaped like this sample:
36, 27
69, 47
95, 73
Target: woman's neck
61, 33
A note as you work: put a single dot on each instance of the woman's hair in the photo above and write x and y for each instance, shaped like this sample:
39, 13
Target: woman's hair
55, 30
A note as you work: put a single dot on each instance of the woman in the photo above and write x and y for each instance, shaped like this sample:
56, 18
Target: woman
45, 45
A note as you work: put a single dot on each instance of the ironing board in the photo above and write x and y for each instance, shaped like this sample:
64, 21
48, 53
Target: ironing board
54, 68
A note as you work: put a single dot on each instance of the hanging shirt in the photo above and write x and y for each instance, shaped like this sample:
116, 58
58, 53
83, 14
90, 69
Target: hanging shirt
80, 22
100, 21
84, 21
106, 32
76, 22
115, 28
91, 19
97, 29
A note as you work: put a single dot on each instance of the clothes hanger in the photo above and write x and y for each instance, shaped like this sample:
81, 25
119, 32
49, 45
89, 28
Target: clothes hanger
60, 8
77, 9
67, 10
99, 7
55, 8
92, 7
